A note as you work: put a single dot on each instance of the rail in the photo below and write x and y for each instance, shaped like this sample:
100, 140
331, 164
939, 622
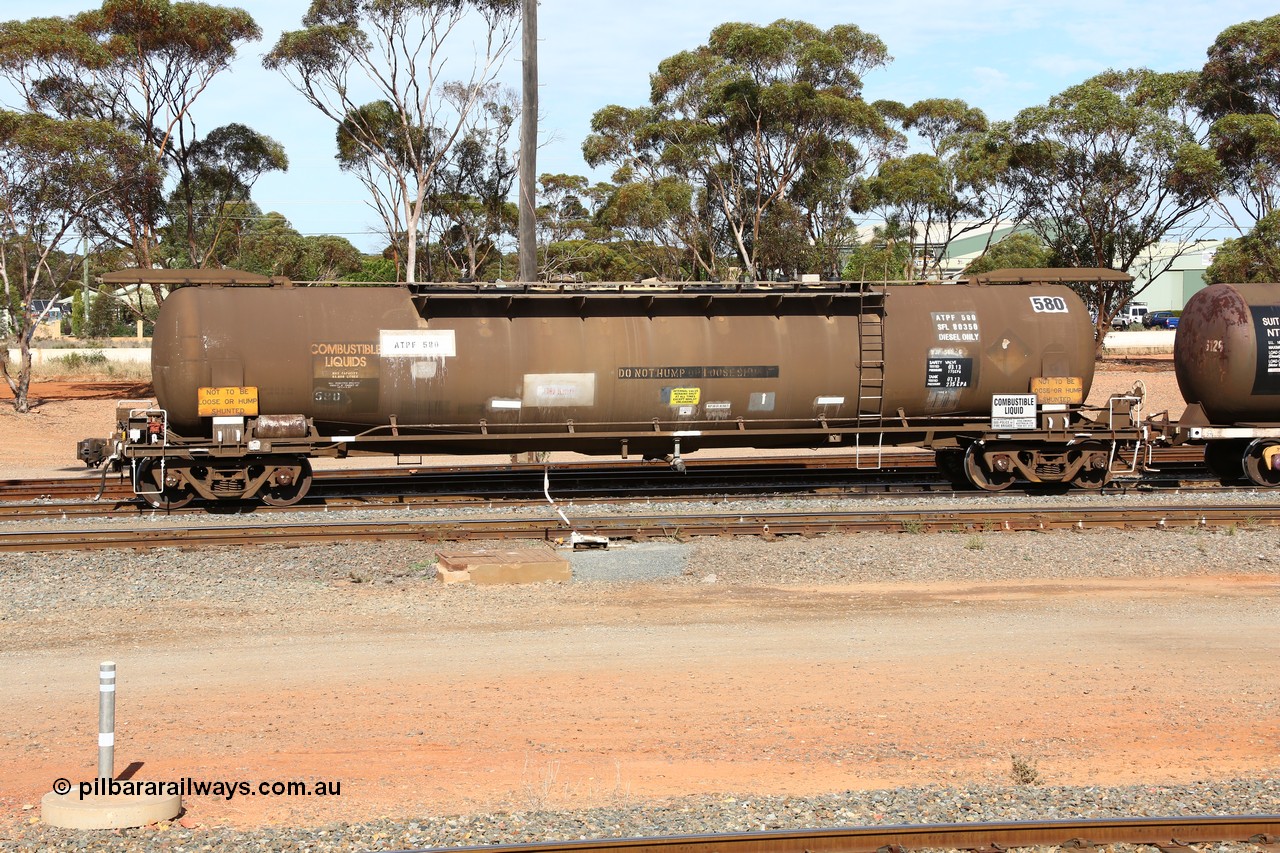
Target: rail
678, 524
1166, 833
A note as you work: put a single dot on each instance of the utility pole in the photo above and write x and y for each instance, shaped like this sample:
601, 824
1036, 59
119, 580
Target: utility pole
84, 294
526, 233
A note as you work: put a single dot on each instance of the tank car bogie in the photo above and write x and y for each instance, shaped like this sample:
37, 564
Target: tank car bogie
994, 466
172, 481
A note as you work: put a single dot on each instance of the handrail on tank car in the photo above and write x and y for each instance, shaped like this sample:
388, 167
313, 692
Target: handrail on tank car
1050, 275
164, 446
240, 278
631, 287
710, 428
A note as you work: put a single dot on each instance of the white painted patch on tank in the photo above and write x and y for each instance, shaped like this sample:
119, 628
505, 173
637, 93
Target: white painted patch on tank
417, 343
553, 390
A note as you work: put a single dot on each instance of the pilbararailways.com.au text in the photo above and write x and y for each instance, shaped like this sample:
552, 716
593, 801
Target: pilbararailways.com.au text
189, 787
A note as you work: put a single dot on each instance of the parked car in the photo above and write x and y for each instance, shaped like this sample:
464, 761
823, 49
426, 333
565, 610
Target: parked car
1130, 314
1160, 320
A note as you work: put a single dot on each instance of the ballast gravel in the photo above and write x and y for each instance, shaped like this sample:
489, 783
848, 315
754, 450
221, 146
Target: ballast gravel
695, 816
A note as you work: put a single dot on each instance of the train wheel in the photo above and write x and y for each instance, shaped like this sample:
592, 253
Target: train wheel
288, 494
1225, 459
1089, 477
1091, 480
169, 497
978, 475
1262, 463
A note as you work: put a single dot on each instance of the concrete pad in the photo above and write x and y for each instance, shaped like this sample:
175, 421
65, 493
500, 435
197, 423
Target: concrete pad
502, 566
644, 561
108, 811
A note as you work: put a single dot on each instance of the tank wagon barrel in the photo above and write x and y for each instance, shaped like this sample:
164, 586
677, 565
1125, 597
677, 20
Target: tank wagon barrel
1227, 359
253, 381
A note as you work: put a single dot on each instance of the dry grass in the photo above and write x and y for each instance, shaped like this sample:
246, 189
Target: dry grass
93, 367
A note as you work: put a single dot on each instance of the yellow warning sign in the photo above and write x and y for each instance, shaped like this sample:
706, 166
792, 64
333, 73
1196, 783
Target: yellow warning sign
228, 402
1058, 389
685, 396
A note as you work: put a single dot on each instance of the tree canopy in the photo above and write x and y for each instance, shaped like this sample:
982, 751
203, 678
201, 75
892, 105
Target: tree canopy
53, 175
1239, 91
397, 143
741, 122
140, 66
1106, 170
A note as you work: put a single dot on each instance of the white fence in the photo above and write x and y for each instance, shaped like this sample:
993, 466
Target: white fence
121, 354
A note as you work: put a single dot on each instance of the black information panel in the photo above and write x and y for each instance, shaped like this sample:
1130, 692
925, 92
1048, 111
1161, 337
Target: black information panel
949, 373
1266, 325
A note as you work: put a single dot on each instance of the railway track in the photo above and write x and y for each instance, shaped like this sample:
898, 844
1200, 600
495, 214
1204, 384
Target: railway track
1166, 833
641, 527
901, 474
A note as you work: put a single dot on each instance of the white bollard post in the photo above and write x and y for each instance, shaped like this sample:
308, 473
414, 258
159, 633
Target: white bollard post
104, 809
106, 720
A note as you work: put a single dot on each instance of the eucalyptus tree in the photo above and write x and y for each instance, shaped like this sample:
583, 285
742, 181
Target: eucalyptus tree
734, 124
669, 213
1253, 257
1108, 169
1019, 250
563, 214
470, 193
139, 65
397, 141
215, 189
952, 188
53, 175
654, 198
1239, 91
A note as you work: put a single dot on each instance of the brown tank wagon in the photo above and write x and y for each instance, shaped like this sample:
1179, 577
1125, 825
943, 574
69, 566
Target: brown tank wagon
251, 381
1227, 358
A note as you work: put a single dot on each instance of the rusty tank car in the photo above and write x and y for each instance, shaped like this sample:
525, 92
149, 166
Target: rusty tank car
1227, 359
252, 381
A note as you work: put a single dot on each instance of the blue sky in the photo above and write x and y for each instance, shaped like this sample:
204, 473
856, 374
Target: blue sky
998, 55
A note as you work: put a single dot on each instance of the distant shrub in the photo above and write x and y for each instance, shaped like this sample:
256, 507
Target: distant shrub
73, 361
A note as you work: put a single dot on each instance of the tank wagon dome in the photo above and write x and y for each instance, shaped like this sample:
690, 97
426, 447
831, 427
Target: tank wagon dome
1227, 352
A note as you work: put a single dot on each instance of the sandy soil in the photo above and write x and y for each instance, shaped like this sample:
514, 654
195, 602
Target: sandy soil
650, 690
669, 690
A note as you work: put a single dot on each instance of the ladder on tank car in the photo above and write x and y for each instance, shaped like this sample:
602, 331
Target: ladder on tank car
870, 406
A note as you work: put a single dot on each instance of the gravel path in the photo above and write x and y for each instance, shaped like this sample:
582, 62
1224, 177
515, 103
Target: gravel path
54, 600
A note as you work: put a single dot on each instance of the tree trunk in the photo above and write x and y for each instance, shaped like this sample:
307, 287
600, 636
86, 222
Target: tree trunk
411, 251
21, 384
